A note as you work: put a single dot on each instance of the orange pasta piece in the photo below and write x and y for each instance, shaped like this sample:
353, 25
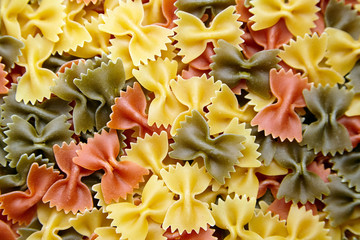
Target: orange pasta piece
280, 119
21, 206
273, 37
129, 112
120, 177
69, 194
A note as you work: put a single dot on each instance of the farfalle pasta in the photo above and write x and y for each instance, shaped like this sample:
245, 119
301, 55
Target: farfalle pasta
193, 140
193, 46
267, 14
156, 198
127, 19
69, 194
286, 124
194, 180
125, 175
35, 84
165, 107
306, 54
179, 119
327, 136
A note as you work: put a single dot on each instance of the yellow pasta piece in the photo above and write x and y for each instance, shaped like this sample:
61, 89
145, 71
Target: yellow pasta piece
233, 214
195, 93
35, 84
224, 107
342, 50
299, 16
302, 224
86, 223
132, 221
146, 41
10, 12
48, 18
267, 226
224, 26
149, 152
188, 213
307, 54
155, 77
52, 222
74, 33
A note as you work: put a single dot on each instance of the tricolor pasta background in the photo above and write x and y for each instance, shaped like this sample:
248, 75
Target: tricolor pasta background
187, 119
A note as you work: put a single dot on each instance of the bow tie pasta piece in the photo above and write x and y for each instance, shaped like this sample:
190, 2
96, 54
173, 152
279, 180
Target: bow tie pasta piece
306, 54
22, 138
46, 16
302, 224
74, 34
52, 222
219, 154
129, 112
233, 214
149, 152
86, 223
342, 50
195, 93
132, 221
328, 104
155, 77
280, 119
224, 26
146, 41
223, 108
21, 206
230, 66
301, 185
187, 213
69, 194
35, 84
93, 85
10, 12
101, 152
268, 13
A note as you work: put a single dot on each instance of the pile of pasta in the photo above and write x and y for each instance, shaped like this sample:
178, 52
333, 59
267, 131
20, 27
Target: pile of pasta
187, 119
